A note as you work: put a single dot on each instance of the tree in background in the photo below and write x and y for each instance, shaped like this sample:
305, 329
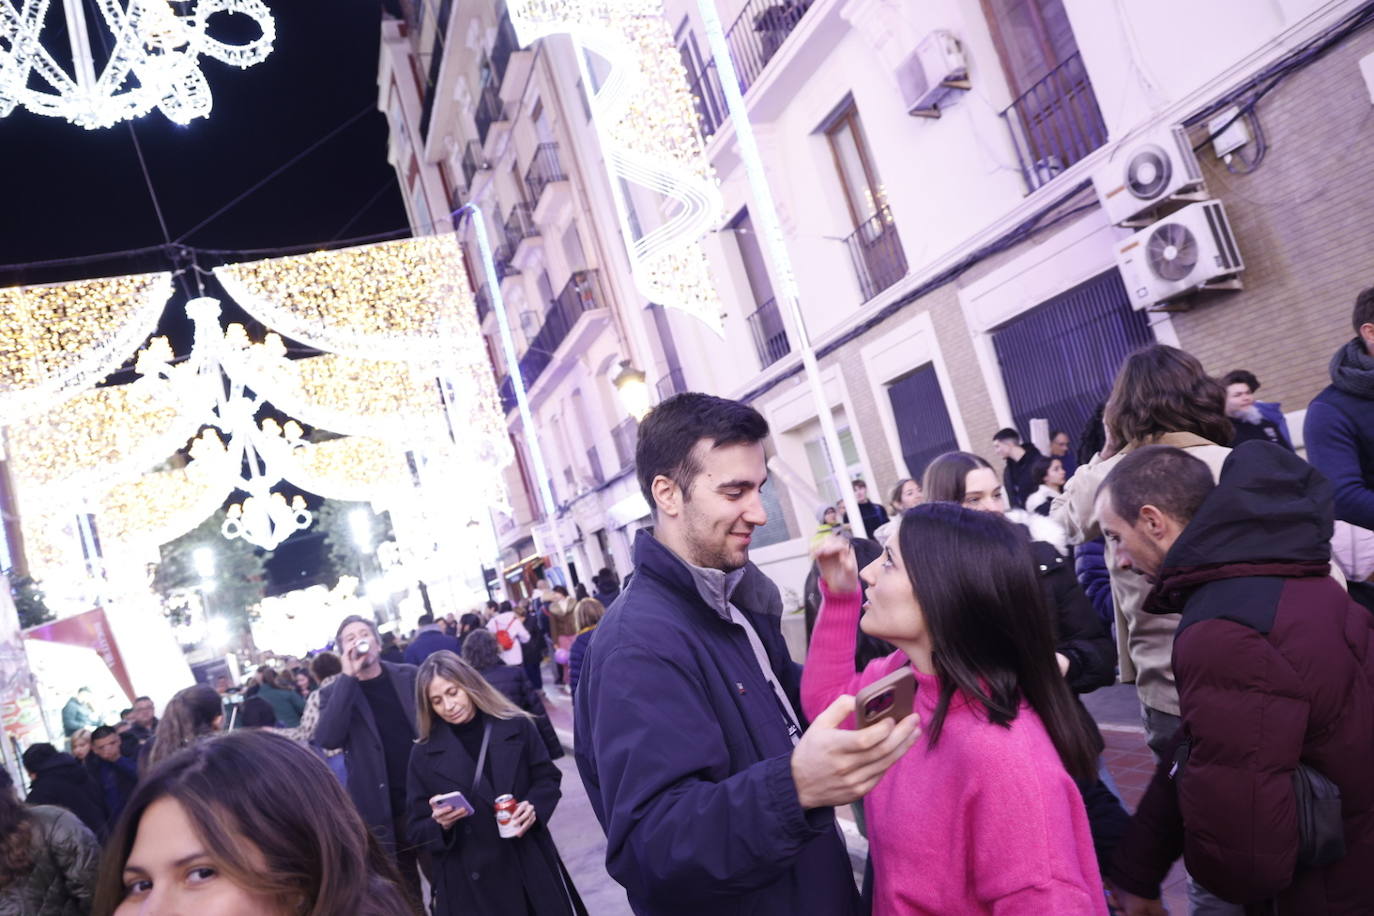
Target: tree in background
28, 601
240, 573
343, 554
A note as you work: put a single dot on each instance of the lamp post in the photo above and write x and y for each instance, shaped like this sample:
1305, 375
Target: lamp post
633, 388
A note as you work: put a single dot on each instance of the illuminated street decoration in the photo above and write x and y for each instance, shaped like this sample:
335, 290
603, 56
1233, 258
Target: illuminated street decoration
646, 119
152, 50
58, 340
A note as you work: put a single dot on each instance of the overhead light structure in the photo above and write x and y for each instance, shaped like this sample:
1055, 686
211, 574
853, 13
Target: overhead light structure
151, 51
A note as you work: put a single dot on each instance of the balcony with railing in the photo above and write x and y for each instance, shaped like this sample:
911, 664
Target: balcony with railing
482, 299
474, 161
625, 435
1055, 123
544, 170
876, 250
712, 111
490, 110
505, 44
672, 383
770, 335
519, 226
758, 32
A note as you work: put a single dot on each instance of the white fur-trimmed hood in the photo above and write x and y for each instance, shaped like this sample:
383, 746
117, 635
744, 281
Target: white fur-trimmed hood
1042, 529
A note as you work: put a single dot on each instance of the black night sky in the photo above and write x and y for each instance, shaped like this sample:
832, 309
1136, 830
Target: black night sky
71, 192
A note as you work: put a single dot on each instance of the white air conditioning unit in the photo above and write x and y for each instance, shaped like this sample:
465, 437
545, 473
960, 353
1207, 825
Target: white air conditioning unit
1145, 173
1193, 248
931, 73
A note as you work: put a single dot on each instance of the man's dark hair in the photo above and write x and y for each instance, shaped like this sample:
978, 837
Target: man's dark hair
126, 712
351, 619
142, 699
103, 731
325, 664
1364, 308
1056, 434
561, 589
425, 619
859, 482
1007, 434
1241, 377
35, 755
492, 605
669, 435
506, 607
1162, 476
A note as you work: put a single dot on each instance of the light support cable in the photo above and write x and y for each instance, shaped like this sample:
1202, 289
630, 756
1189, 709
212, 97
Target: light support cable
775, 248
522, 400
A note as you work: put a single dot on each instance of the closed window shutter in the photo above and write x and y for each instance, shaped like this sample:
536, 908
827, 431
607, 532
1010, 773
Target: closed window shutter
923, 425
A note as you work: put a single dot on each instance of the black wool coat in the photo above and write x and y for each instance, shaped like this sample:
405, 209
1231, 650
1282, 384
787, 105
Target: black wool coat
474, 869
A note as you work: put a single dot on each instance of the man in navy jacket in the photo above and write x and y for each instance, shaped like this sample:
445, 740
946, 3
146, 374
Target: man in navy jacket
1339, 428
689, 740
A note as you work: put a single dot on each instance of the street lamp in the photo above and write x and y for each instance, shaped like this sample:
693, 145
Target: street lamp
631, 385
204, 560
360, 524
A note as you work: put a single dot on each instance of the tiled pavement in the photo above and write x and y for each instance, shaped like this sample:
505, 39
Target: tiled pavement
583, 846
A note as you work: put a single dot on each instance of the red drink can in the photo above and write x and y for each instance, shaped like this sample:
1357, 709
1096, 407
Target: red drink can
505, 815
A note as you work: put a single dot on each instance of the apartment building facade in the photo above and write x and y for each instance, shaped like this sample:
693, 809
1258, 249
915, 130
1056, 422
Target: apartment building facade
958, 271
478, 120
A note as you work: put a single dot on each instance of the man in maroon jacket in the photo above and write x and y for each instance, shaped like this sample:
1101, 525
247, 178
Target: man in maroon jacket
1274, 665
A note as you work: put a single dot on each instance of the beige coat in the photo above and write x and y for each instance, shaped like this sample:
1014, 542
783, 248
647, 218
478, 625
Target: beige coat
1144, 641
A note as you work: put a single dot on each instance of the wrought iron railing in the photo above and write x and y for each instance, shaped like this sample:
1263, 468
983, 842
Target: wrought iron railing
507, 391
582, 293
876, 251
505, 44
710, 100
770, 336
672, 383
473, 162
1055, 123
436, 60
625, 435
490, 109
758, 32
544, 169
519, 225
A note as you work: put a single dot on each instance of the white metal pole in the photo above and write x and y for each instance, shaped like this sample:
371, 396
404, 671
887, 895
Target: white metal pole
498, 305
775, 247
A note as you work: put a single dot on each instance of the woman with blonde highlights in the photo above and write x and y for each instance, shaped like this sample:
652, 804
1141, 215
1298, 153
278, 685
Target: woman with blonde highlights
476, 742
246, 823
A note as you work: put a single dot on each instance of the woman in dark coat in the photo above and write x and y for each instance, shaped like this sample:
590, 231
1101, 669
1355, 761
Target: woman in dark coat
484, 655
475, 741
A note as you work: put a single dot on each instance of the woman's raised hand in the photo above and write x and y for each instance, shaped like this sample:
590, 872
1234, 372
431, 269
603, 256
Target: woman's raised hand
834, 557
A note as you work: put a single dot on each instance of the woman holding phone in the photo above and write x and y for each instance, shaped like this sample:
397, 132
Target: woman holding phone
475, 747
982, 815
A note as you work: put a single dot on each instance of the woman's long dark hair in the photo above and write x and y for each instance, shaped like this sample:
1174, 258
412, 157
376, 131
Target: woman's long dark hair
16, 859
1161, 389
273, 819
946, 475
990, 632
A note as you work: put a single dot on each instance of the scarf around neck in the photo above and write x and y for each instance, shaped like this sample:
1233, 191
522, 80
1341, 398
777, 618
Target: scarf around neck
1352, 370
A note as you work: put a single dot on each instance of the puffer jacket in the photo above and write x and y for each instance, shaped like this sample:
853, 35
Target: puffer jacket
65, 857
1275, 667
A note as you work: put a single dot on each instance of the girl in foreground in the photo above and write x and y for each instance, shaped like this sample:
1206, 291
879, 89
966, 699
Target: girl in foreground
982, 815
247, 823
475, 741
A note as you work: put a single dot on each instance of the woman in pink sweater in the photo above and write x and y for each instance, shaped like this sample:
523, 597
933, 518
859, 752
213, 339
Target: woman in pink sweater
982, 814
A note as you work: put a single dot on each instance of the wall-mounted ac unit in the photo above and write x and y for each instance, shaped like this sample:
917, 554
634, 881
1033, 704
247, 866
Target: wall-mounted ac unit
1146, 173
931, 73
1193, 248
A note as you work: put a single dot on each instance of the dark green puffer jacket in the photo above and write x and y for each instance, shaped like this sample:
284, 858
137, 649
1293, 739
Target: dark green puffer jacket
65, 855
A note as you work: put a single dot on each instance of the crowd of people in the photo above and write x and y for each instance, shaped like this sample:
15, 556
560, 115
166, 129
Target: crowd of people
1185, 547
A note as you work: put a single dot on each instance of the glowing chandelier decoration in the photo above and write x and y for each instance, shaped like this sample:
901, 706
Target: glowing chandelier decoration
152, 50
646, 119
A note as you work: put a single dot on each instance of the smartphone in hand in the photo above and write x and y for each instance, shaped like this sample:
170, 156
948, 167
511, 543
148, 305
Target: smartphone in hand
892, 697
454, 800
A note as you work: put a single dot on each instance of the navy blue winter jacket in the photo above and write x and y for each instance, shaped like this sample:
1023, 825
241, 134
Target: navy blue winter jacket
686, 756
1339, 435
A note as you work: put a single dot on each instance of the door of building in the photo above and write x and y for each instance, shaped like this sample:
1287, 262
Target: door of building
1059, 359
923, 425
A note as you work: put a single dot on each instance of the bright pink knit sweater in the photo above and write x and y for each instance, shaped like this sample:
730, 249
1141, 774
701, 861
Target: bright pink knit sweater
987, 821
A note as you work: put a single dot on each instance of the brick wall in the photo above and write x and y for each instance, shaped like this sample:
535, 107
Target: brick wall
1304, 221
